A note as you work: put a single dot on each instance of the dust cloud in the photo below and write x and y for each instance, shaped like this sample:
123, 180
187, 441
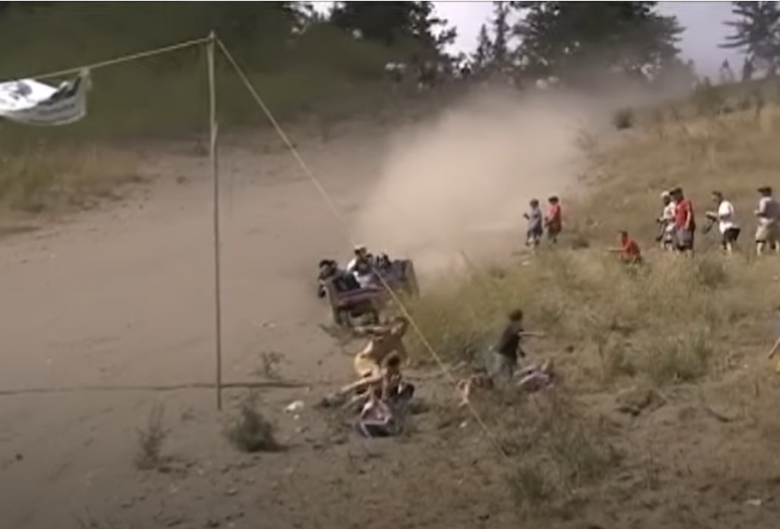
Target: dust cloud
461, 183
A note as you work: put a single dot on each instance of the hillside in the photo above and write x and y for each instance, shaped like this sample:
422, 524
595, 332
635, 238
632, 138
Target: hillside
320, 76
663, 416
662, 411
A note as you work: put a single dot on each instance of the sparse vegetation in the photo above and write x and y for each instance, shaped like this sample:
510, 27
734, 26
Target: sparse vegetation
270, 363
675, 326
151, 440
623, 119
250, 431
675, 322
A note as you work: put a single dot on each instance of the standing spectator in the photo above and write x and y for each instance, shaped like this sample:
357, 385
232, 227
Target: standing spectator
666, 222
509, 347
684, 222
535, 228
768, 213
726, 219
554, 219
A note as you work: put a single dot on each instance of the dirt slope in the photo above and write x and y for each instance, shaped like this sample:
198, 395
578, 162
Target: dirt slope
125, 297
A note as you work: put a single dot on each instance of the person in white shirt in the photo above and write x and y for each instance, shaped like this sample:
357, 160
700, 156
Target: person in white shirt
666, 222
362, 266
768, 213
726, 218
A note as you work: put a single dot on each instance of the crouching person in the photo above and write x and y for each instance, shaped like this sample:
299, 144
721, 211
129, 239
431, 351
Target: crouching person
628, 250
384, 399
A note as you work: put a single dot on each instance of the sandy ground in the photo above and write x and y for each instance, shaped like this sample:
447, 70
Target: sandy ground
123, 298
109, 314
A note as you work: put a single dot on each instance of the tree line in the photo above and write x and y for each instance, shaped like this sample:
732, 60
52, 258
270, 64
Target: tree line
565, 39
524, 40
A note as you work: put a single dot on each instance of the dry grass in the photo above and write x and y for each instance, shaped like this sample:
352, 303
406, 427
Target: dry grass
269, 367
558, 448
43, 179
151, 440
249, 431
673, 320
621, 323
674, 324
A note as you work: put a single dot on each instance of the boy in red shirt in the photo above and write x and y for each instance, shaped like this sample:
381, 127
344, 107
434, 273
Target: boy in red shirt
684, 222
628, 251
553, 220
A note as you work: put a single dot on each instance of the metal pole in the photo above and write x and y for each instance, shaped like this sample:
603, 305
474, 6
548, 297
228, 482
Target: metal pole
217, 246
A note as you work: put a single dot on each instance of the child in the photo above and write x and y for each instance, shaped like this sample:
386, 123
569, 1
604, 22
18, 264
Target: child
376, 419
628, 250
509, 348
553, 221
535, 228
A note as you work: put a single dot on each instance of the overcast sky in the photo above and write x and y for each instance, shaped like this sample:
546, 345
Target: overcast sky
703, 22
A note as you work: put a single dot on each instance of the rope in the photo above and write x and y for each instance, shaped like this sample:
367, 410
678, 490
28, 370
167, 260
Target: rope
123, 59
278, 384
340, 216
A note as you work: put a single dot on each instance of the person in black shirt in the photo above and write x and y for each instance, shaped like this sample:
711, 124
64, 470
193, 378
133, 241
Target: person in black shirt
508, 348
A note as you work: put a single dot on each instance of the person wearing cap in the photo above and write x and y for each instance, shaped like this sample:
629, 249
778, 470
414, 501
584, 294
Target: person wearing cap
666, 222
768, 213
684, 221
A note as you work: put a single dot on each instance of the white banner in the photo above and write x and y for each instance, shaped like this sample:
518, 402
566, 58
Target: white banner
34, 103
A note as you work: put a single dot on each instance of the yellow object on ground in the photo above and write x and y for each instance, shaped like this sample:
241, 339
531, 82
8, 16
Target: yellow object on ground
365, 365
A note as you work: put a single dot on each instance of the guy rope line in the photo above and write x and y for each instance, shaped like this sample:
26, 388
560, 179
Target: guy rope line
302, 163
340, 216
125, 58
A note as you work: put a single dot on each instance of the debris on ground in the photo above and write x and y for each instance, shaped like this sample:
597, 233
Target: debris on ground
294, 406
636, 401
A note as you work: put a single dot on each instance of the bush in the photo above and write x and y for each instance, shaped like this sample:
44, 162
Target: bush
250, 431
623, 119
708, 99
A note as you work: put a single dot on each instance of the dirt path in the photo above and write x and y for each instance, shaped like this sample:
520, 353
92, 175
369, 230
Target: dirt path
125, 297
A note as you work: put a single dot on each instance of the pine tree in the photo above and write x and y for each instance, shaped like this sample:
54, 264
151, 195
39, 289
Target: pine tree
563, 37
756, 33
483, 56
391, 22
501, 32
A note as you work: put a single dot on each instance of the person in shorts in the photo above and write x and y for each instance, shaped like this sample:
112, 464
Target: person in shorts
725, 217
768, 214
684, 222
666, 222
535, 227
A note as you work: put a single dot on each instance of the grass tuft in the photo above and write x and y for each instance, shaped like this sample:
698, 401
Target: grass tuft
151, 440
251, 432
